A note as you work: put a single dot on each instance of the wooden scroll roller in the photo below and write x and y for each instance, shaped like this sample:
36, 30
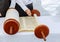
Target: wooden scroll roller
34, 11
11, 23
41, 31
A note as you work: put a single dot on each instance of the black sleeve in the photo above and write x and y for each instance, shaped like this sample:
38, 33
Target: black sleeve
4, 5
22, 13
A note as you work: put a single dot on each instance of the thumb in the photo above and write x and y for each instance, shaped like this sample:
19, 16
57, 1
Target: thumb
29, 13
0, 14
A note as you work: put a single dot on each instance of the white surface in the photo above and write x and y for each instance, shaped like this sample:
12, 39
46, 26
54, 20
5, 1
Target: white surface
54, 35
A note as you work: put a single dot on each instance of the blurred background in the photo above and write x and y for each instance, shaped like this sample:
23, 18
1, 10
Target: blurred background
48, 7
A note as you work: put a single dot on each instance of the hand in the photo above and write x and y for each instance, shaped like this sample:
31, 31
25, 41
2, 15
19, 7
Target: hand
0, 14
28, 12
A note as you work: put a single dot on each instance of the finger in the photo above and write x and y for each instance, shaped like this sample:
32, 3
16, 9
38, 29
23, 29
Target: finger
29, 14
0, 14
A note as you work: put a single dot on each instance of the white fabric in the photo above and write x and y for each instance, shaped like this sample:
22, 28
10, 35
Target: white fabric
51, 6
26, 2
13, 3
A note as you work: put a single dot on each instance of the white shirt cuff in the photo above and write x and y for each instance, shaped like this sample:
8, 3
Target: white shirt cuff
21, 4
